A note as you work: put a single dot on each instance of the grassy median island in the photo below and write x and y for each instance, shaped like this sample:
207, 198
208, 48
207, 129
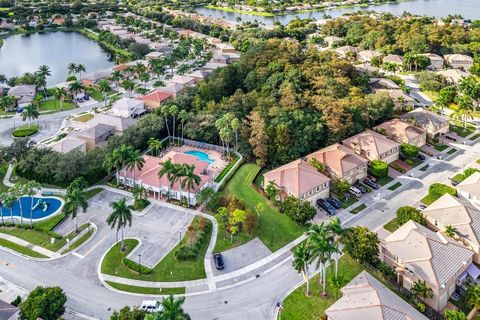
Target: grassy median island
299, 307
168, 269
145, 290
275, 229
392, 225
25, 131
21, 249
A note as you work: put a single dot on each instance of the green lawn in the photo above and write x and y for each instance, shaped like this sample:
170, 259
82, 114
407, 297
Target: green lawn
474, 137
395, 186
84, 117
297, 306
459, 177
458, 129
21, 249
347, 203
54, 105
145, 290
275, 230
384, 181
441, 147
25, 130
79, 241
451, 151
168, 269
3, 171
358, 209
392, 225
428, 200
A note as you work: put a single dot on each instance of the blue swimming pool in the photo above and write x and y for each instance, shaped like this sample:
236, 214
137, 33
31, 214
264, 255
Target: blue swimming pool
42, 207
200, 155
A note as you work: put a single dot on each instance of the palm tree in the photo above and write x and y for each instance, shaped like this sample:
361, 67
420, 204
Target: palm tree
116, 76
128, 85
470, 86
173, 110
30, 189
421, 289
117, 159
320, 243
134, 161
165, 111
442, 102
154, 145
9, 199
2, 205
30, 112
120, 217
6, 102
473, 296
172, 309
60, 94
140, 193
72, 68
75, 198
79, 68
18, 190
104, 87
190, 179
464, 110
75, 87
335, 227
182, 116
168, 169
301, 258
450, 231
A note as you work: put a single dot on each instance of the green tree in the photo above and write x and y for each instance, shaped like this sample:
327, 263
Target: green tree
104, 87
117, 159
272, 190
172, 310
127, 313
236, 219
133, 162
155, 145
46, 303
170, 170
407, 213
409, 151
379, 168
75, 199
30, 112
8, 200
451, 231
60, 94
340, 187
473, 296
361, 244
189, 180
30, 189
299, 211
454, 315
120, 217
464, 110
140, 195
317, 164
420, 289
301, 259
437, 190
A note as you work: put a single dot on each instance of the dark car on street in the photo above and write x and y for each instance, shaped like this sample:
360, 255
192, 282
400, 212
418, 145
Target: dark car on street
361, 188
421, 157
371, 183
335, 203
218, 258
321, 203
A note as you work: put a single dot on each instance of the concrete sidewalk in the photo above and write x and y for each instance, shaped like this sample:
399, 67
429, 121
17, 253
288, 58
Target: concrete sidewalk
26, 244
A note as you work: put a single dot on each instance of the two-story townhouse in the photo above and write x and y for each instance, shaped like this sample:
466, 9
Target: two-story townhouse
459, 61
431, 122
417, 253
403, 132
341, 163
373, 146
469, 189
299, 179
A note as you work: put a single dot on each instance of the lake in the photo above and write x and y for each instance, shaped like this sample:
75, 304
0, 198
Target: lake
469, 9
26, 52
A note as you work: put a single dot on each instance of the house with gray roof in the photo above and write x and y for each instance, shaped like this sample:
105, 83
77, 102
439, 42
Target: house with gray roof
417, 253
23, 93
367, 298
431, 122
96, 135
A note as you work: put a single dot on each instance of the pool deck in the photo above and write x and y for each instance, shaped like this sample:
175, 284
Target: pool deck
218, 163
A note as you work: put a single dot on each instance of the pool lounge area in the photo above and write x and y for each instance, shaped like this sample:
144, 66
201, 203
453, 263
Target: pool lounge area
43, 207
200, 155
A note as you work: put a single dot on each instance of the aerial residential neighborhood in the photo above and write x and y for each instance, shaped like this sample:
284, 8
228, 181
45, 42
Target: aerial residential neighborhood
240, 160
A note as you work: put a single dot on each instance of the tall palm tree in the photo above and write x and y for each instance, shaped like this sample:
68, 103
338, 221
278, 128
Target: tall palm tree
128, 85
72, 68
60, 94
464, 110
79, 68
116, 76
442, 102
104, 87
189, 179
133, 162
6, 102
120, 217
75, 198
470, 86
301, 258
335, 227
420, 289
172, 309
117, 159
154, 145
183, 116
320, 243
17, 189
173, 110
30, 189
2, 205
75, 87
30, 112
165, 111
9, 199
169, 169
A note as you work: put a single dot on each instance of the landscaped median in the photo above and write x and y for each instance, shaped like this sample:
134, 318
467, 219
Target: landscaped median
25, 131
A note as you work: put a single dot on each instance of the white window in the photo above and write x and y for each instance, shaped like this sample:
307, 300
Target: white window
310, 192
318, 189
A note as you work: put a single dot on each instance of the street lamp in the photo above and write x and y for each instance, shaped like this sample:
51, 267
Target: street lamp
140, 263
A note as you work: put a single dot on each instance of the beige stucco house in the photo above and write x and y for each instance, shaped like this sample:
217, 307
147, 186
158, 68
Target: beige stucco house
431, 122
403, 132
299, 179
368, 55
469, 189
367, 298
417, 253
341, 163
449, 210
453, 76
347, 51
459, 61
436, 62
373, 146
332, 40
393, 58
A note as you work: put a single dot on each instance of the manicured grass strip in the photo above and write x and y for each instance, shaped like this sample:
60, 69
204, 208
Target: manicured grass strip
226, 169
459, 177
275, 229
347, 203
21, 249
358, 209
299, 307
458, 129
3, 171
424, 168
25, 131
441, 147
84, 117
428, 200
93, 192
145, 290
79, 241
395, 186
54, 105
451, 151
49, 224
169, 269
392, 225
384, 181
474, 137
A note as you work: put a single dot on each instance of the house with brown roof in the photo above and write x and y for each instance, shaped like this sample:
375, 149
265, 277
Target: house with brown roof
401, 100
154, 99
403, 132
429, 121
341, 163
453, 76
459, 61
373, 146
69, 144
367, 298
449, 210
469, 189
299, 179
368, 55
418, 253
95, 135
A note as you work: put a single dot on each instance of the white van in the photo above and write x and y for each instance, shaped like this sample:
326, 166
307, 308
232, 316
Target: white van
353, 190
151, 306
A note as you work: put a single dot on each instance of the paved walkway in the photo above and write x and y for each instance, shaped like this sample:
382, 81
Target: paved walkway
30, 246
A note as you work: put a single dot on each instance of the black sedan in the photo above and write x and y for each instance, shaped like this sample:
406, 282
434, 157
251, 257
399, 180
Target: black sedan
335, 203
326, 206
218, 258
372, 184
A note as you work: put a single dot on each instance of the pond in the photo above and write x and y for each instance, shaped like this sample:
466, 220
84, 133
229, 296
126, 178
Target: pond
469, 9
26, 52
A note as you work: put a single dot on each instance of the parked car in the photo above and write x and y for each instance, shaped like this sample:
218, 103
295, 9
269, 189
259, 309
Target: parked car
421, 207
86, 97
151, 306
421, 157
371, 183
335, 203
361, 188
80, 100
357, 193
321, 203
402, 157
218, 258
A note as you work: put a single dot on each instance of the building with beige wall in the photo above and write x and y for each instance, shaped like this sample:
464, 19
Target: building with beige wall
431, 122
373, 146
403, 132
459, 61
469, 189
